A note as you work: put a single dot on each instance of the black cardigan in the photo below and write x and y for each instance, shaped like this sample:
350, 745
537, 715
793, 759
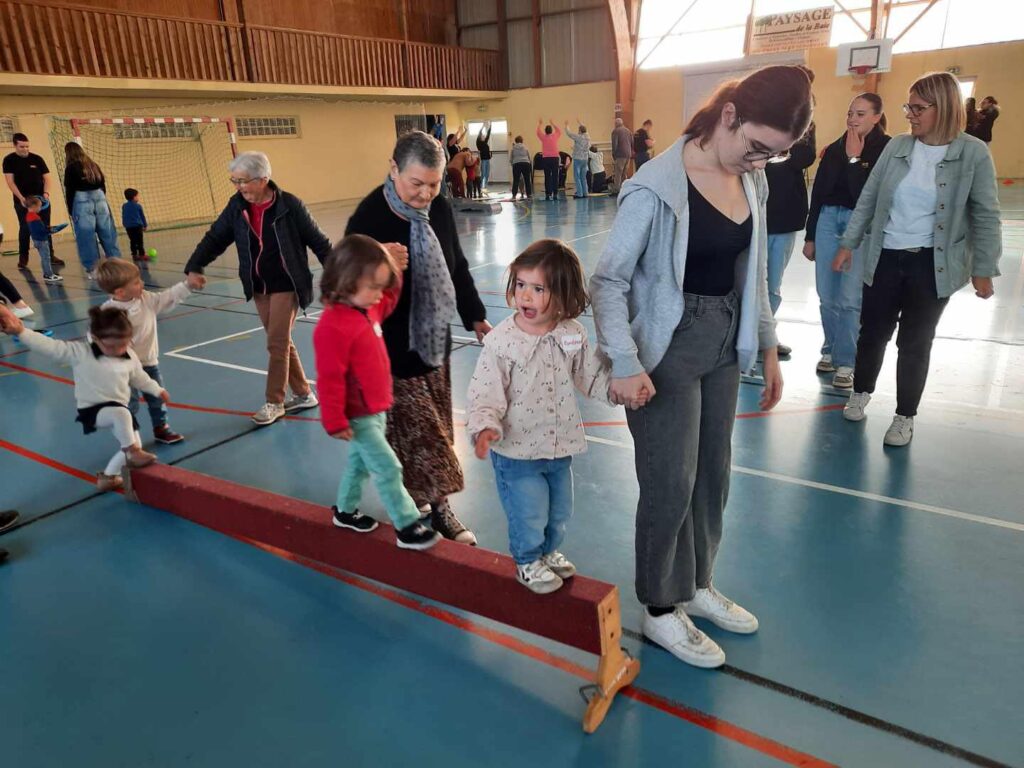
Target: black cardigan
287, 220
375, 218
787, 190
839, 182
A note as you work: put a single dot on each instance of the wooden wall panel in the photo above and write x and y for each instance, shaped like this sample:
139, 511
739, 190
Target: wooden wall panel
200, 10
430, 21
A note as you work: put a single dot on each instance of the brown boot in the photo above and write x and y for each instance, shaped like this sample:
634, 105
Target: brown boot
108, 482
138, 458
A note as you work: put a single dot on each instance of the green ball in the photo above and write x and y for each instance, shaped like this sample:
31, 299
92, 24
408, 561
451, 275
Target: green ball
151, 253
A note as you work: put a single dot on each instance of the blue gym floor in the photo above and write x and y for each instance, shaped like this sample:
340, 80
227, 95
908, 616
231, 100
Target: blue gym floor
888, 582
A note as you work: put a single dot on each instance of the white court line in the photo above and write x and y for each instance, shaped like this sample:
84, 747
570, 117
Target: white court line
211, 341
221, 364
944, 511
593, 234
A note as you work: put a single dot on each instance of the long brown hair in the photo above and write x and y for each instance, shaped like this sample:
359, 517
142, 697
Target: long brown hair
74, 153
778, 97
349, 260
563, 274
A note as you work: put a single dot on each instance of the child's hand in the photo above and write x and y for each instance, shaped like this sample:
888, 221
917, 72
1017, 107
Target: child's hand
399, 253
345, 434
165, 395
643, 397
9, 323
483, 442
196, 281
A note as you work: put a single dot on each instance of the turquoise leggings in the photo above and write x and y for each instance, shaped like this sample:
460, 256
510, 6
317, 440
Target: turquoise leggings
370, 454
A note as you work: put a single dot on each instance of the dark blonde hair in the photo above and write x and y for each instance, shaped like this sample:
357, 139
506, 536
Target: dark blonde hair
563, 274
943, 90
74, 153
109, 323
115, 273
778, 97
354, 257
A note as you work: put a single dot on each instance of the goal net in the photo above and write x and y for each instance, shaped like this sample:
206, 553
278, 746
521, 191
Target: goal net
179, 165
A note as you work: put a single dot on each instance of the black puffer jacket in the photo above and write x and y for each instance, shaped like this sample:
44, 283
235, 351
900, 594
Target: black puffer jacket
287, 220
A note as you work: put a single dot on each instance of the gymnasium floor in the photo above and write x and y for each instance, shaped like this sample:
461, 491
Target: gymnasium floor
887, 581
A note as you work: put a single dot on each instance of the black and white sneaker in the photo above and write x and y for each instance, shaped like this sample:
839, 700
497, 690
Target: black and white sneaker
7, 519
417, 536
444, 521
353, 521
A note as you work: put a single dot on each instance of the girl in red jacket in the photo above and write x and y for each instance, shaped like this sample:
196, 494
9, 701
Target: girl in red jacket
360, 286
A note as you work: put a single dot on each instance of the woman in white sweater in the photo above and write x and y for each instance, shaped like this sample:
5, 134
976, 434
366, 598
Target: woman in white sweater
105, 370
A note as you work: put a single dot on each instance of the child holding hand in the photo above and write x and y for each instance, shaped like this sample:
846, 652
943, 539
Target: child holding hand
360, 287
523, 409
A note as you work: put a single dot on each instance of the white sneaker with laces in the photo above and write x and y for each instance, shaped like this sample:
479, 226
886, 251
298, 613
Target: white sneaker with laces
843, 378
560, 564
301, 402
20, 312
268, 414
900, 431
825, 365
854, 408
537, 577
54, 278
676, 633
710, 604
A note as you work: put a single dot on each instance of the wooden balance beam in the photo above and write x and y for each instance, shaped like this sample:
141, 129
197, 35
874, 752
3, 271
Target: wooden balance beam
583, 614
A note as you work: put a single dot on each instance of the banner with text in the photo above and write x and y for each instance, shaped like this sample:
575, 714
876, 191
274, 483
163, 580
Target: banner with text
793, 31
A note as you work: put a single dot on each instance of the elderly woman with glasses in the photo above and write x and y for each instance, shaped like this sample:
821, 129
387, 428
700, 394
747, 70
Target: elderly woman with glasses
929, 218
406, 214
271, 230
681, 308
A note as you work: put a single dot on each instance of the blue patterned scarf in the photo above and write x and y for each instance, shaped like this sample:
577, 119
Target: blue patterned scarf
433, 293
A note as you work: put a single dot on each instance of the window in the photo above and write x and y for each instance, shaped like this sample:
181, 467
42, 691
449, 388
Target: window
267, 127
154, 131
8, 127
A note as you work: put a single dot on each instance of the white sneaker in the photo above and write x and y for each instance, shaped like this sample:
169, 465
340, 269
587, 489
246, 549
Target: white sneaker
676, 633
854, 408
900, 431
268, 414
825, 365
537, 577
20, 312
560, 564
90, 274
843, 378
54, 278
712, 605
301, 402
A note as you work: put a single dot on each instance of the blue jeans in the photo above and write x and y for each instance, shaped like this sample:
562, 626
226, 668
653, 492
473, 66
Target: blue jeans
537, 497
579, 174
44, 256
92, 218
485, 172
157, 409
780, 248
839, 292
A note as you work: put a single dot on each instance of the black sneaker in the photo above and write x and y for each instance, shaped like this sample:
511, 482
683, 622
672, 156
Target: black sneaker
353, 521
417, 536
444, 521
7, 519
54, 261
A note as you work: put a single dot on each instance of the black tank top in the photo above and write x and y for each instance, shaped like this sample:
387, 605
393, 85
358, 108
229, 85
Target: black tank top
713, 243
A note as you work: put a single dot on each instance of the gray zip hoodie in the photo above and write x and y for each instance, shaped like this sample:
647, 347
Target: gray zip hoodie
637, 288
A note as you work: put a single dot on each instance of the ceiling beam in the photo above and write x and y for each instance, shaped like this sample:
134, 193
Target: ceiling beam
625, 51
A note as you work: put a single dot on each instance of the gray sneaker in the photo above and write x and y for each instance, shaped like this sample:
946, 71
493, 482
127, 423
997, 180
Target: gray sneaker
900, 432
268, 414
301, 402
854, 408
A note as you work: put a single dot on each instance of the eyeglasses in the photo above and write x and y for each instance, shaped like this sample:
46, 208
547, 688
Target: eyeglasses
915, 109
242, 182
759, 155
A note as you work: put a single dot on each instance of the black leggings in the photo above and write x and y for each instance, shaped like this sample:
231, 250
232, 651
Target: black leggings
7, 288
522, 172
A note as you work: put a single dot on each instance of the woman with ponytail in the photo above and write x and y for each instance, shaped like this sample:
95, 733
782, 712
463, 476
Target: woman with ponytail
681, 307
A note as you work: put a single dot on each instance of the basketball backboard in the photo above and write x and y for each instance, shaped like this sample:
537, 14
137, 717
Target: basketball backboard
876, 55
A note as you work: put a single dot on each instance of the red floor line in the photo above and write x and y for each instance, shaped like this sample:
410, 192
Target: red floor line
724, 728
47, 461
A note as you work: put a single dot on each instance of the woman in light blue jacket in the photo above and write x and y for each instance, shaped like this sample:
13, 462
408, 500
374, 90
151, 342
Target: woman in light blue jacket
933, 202
681, 306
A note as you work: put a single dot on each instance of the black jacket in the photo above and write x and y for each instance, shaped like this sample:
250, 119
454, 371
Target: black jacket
787, 189
75, 181
287, 220
839, 182
375, 218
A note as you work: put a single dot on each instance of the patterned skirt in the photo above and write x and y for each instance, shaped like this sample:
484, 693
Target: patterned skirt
421, 432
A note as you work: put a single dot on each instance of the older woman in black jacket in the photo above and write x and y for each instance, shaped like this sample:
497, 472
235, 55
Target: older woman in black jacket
271, 230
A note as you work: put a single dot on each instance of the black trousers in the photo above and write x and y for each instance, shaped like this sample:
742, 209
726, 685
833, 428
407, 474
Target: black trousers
550, 177
902, 293
24, 238
524, 172
138, 248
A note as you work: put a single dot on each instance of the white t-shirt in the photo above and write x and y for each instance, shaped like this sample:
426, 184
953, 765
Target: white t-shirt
911, 221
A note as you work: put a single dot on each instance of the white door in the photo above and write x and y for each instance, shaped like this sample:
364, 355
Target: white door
501, 171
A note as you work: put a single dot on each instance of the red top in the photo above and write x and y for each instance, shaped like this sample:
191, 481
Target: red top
353, 373
256, 211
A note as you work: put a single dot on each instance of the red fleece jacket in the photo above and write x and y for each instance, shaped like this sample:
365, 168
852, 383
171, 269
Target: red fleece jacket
353, 373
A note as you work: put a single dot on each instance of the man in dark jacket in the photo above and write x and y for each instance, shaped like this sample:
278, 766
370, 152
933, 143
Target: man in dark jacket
787, 213
271, 230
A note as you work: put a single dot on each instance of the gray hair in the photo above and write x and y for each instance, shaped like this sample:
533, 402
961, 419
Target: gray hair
618, 122
418, 147
255, 165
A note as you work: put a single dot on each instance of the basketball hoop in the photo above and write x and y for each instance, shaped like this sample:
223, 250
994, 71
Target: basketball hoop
860, 72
